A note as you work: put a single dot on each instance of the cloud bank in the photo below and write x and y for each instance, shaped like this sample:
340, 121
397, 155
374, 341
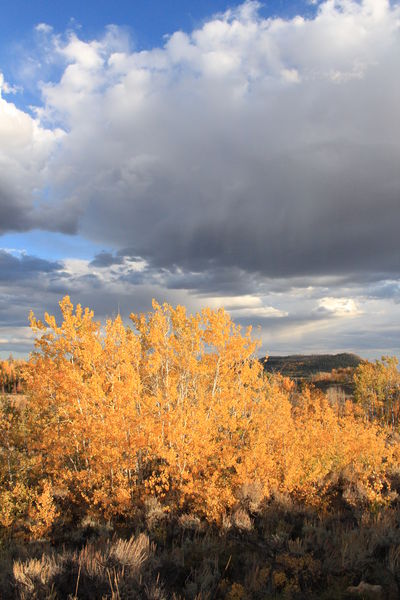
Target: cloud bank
268, 145
248, 156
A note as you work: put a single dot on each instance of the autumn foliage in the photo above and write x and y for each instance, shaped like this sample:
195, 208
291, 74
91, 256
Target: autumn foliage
377, 390
11, 375
175, 407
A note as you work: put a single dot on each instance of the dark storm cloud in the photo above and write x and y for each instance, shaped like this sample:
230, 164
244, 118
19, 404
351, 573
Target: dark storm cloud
17, 211
90, 280
106, 259
13, 214
17, 268
300, 220
216, 280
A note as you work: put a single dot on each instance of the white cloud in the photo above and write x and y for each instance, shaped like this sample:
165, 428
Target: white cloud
6, 88
26, 149
245, 306
340, 307
22, 336
44, 28
235, 302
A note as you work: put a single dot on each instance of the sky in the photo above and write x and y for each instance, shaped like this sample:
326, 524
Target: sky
232, 154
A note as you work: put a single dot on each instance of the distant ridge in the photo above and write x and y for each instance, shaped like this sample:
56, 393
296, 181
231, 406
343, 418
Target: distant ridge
305, 365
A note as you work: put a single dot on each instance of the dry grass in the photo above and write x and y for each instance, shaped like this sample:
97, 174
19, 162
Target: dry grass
241, 519
287, 554
132, 553
34, 577
114, 569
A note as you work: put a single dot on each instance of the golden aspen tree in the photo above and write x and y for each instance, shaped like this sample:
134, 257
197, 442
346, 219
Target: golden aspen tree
161, 410
15, 464
84, 390
200, 380
377, 390
177, 406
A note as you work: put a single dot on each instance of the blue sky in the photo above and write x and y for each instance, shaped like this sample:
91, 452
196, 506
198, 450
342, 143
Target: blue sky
148, 20
235, 154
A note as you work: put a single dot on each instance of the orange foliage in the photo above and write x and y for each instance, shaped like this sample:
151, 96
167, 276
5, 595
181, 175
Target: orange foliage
377, 390
178, 407
162, 410
10, 376
42, 512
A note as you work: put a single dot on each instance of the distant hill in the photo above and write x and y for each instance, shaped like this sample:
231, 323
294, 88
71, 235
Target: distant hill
303, 366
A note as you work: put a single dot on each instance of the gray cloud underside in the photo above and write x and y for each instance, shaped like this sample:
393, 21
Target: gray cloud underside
106, 259
287, 317
289, 217
13, 268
